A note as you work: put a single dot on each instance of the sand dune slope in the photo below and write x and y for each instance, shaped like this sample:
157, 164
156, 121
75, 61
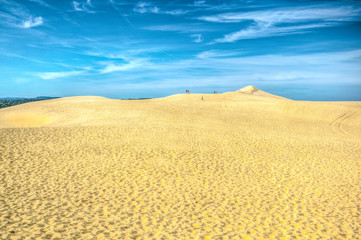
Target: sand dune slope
239, 165
251, 90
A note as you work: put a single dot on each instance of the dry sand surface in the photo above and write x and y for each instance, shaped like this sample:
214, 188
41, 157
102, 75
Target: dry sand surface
238, 165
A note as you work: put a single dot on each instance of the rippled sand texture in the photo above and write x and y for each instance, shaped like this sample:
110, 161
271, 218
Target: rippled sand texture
244, 164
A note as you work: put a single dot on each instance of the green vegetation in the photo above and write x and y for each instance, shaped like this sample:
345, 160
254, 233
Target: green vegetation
8, 102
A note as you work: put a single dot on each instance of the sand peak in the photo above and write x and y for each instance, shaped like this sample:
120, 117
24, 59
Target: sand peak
248, 89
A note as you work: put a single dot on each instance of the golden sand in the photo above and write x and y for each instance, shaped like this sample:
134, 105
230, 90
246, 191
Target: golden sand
238, 165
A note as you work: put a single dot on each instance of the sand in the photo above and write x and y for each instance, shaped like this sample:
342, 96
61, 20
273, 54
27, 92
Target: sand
238, 165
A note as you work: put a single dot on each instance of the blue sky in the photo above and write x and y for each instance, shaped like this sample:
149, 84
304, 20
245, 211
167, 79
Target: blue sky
303, 50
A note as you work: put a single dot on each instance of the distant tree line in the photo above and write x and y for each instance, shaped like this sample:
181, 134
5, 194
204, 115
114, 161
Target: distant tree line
8, 102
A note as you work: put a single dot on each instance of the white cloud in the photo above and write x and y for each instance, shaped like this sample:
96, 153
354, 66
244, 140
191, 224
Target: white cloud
148, 7
116, 68
13, 8
110, 56
32, 22
17, 15
198, 38
237, 71
42, 3
8, 19
82, 6
217, 54
314, 60
272, 23
199, 3
261, 31
176, 12
126, 54
117, 2
53, 75
328, 67
183, 28
8, 54
290, 15
145, 7
77, 6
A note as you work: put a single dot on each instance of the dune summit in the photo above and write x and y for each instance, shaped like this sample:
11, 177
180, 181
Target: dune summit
251, 90
239, 165
248, 89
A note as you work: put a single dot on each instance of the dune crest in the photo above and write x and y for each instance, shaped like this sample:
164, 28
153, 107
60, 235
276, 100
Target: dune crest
249, 89
255, 92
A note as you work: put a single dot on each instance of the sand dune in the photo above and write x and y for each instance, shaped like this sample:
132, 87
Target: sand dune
256, 92
238, 165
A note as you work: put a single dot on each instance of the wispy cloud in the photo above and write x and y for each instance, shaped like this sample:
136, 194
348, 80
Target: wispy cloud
146, 7
217, 54
199, 3
283, 21
261, 31
234, 71
54, 75
83, 6
8, 19
118, 7
183, 28
119, 2
110, 55
32, 22
35, 60
176, 12
128, 55
197, 38
120, 67
314, 59
9, 54
230, 62
13, 8
15, 14
289, 15
41, 3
